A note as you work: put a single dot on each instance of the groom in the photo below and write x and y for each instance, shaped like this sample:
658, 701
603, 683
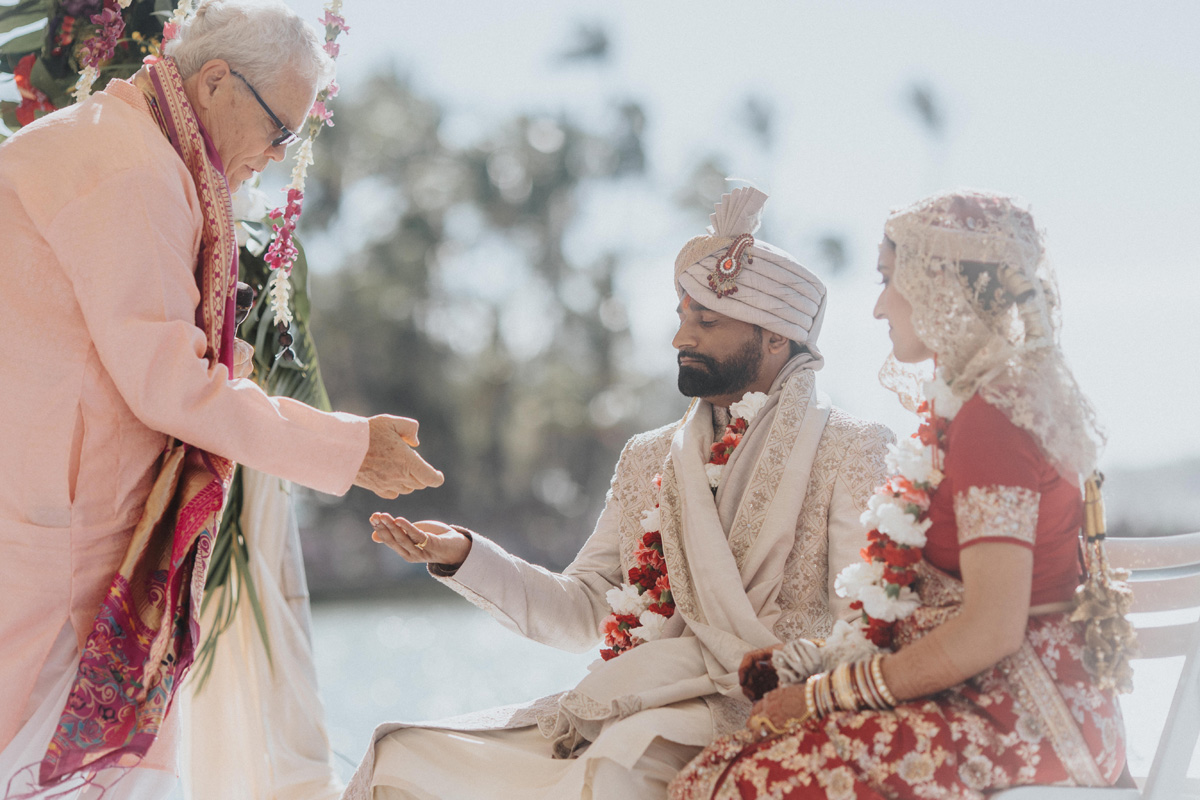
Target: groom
732, 552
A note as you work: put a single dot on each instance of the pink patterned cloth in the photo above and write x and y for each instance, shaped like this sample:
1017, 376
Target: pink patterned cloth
101, 361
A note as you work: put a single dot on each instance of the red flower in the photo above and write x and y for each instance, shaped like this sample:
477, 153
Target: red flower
879, 632
652, 538
904, 577
636, 575
608, 654
899, 486
651, 559
657, 480
666, 609
933, 430
895, 555
877, 547
34, 102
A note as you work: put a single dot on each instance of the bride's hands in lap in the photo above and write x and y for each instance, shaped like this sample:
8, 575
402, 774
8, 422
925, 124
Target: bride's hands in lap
780, 706
438, 542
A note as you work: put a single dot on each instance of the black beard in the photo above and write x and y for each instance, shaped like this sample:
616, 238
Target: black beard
721, 377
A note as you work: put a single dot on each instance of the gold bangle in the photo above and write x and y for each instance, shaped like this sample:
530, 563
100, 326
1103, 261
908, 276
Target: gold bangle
862, 685
823, 692
866, 687
877, 679
843, 689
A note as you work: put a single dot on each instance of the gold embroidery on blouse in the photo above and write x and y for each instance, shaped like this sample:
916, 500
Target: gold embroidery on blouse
1009, 512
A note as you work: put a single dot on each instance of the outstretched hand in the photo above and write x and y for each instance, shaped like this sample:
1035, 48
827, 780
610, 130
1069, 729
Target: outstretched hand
392, 467
425, 542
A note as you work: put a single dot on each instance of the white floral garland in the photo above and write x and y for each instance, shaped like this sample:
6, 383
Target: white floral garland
898, 511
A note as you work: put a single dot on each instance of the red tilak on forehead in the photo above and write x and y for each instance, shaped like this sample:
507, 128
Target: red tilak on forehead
687, 300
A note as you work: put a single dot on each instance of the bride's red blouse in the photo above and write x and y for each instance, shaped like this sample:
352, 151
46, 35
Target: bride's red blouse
985, 449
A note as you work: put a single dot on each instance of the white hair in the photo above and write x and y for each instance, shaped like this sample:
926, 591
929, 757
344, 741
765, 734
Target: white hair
264, 40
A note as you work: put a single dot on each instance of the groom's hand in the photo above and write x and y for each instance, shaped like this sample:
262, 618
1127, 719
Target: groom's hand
425, 542
391, 467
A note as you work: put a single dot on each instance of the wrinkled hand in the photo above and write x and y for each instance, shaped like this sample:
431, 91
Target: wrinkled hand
747, 676
782, 706
425, 542
391, 467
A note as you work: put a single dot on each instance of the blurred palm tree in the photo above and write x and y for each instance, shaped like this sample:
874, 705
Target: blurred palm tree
461, 306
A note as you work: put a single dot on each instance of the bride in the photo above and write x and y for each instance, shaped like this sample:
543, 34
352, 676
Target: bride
967, 673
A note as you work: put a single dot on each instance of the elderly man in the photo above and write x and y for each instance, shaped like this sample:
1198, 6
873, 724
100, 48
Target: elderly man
116, 308
718, 537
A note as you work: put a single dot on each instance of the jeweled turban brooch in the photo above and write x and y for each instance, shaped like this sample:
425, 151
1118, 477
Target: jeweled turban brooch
723, 279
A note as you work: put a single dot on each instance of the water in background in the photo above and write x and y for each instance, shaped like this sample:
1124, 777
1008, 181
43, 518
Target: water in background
424, 658
427, 657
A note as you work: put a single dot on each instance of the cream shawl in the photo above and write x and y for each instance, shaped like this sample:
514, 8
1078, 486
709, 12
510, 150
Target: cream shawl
725, 560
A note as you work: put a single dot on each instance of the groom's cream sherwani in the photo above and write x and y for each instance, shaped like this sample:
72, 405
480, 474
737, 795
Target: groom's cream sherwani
749, 567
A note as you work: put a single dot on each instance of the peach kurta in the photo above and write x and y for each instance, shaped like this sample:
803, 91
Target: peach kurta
101, 360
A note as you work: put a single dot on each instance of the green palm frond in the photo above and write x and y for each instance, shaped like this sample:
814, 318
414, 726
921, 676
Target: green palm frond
229, 581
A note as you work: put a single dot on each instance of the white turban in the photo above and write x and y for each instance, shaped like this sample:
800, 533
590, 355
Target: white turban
764, 286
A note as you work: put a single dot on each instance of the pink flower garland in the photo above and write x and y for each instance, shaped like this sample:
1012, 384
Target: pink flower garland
282, 253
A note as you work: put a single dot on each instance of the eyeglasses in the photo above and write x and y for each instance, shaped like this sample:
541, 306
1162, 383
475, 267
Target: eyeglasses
285, 136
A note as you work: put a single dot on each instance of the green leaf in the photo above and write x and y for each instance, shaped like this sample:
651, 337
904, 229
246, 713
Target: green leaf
243, 565
22, 45
25, 12
8, 113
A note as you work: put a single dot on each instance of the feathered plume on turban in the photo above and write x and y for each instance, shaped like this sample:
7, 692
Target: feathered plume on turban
734, 274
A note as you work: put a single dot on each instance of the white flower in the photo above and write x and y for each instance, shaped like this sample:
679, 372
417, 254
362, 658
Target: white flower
304, 159
900, 525
250, 203
854, 577
651, 520
748, 407
879, 606
714, 472
910, 459
280, 290
626, 599
651, 628
939, 394
846, 643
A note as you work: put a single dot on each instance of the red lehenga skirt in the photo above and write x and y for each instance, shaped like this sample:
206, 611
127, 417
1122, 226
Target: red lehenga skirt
1034, 718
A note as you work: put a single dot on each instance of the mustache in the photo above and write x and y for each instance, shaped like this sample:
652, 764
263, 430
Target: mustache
707, 361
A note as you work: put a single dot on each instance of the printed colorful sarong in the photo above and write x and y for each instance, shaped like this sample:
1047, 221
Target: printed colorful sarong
143, 639
1034, 718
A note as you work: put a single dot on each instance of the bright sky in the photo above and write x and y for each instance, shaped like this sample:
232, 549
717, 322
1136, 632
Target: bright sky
1090, 109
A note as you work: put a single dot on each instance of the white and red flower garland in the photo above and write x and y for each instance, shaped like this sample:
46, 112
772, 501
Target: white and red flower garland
897, 519
282, 253
642, 606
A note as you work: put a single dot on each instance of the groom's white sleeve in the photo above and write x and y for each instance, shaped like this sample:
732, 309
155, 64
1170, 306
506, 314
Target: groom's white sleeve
562, 610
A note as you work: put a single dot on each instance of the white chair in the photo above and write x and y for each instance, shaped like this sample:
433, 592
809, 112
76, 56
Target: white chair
1166, 577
